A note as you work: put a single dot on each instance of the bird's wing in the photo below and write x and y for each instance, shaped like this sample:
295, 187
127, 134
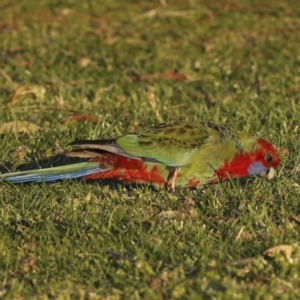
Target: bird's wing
171, 144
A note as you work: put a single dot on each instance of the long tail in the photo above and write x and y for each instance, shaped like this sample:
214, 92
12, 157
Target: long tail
52, 174
105, 166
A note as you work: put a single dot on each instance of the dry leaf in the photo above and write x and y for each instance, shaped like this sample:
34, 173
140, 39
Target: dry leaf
29, 264
168, 214
83, 62
295, 218
20, 152
284, 152
155, 240
77, 118
19, 126
286, 250
175, 76
189, 201
169, 75
25, 91
152, 100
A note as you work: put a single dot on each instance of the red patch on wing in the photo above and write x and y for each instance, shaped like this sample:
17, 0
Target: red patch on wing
126, 169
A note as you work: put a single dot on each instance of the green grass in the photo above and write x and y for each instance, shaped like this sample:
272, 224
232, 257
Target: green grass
240, 66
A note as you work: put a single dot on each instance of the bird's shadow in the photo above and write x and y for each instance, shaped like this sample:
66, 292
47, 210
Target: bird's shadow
53, 161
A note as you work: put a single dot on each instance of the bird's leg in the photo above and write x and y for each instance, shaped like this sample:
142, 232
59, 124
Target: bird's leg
173, 173
170, 175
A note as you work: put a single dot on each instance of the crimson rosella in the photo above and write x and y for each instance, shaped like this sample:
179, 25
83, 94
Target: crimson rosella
178, 153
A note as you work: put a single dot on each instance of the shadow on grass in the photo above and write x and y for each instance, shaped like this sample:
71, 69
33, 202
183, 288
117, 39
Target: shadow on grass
53, 161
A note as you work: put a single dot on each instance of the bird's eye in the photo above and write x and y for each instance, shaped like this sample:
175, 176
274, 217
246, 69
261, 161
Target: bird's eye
269, 158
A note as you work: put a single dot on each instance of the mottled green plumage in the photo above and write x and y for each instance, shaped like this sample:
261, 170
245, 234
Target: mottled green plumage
198, 148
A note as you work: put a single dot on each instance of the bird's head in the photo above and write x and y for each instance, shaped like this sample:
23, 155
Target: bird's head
261, 158
264, 159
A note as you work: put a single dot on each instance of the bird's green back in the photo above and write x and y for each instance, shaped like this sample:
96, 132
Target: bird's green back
180, 144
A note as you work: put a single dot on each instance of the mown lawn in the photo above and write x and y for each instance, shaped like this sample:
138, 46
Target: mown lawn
87, 69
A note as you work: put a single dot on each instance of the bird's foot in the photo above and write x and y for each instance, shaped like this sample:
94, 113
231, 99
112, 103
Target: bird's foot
173, 173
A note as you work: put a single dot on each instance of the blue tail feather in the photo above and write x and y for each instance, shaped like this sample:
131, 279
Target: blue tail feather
53, 174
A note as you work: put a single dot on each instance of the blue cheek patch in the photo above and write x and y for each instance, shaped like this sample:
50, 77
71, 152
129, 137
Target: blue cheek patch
256, 168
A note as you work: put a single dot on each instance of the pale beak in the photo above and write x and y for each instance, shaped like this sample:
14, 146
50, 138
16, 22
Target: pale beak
270, 173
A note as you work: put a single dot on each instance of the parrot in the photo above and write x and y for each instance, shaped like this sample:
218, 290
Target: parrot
173, 154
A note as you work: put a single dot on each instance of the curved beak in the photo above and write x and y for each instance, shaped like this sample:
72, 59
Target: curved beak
269, 173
